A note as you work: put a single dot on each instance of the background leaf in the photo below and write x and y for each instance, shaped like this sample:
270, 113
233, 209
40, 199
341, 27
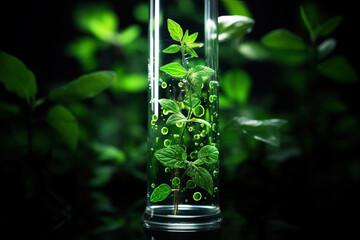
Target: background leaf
283, 39
329, 26
237, 7
234, 26
267, 131
236, 84
306, 21
253, 50
339, 69
16, 77
128, 35
86, 86
65, 124
97, 19
326, 48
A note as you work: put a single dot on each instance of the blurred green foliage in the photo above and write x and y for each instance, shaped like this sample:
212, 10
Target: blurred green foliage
282, 145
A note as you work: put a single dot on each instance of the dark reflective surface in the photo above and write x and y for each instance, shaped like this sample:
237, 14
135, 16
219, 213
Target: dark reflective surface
199, 235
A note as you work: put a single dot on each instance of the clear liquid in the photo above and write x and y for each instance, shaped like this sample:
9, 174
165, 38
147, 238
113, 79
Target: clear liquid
185, 207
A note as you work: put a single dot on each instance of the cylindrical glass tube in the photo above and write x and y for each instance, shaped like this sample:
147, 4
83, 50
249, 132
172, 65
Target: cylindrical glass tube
183, 164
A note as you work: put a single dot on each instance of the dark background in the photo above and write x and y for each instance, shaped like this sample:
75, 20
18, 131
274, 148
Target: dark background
311, 194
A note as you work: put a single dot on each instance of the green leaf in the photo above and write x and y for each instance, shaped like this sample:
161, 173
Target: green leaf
195, 45
236, 7
254, 51
234, 26
196, 82
86, 86
65, 124
108, 152
190, 51
283, 39
237, 85
141, 12
84, 50
169, 105
97, 19
160, 193
172, 49
176, 118
199, 162
195, 101
267, 131
186, 36
175, 30
199, 120
192, 38
306, 21
329, 26
9, 109
129, 35
174, 70
16, 77
338, 69
128, 82
204, 72
326, 47
202, 178
208, 154
311, 15
171, 156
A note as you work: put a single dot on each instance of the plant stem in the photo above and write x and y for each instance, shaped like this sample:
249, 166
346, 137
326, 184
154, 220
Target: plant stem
177, 193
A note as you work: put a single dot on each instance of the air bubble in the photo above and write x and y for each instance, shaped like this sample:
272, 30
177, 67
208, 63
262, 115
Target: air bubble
175, 181
167, 170
179, 124
164, 130
199, 111
197, 196
167, 142
190, 184
203, 133
153, 185
154, 118
163, 85
197, 136
211, 84
193, 154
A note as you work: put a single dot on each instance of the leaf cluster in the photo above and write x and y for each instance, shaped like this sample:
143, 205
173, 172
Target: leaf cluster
175, 156
18, 79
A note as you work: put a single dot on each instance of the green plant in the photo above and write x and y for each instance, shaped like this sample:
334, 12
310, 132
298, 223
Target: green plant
175, 156
18, 79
